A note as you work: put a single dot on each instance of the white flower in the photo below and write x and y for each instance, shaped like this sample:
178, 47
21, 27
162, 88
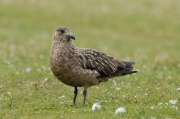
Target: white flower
173, 101
178, 89
120, 110
175, 107
61, 96
96, 106
9, 93
152, 118
28, 69
160, 103
17, 72
144, 66
41, 56
151, 107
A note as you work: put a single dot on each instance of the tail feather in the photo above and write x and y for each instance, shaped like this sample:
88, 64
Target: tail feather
128, 64
128, 68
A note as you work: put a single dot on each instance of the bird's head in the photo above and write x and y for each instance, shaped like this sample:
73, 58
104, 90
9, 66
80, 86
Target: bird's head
63, 34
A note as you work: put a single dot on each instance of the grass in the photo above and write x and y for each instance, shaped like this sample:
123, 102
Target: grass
143, 31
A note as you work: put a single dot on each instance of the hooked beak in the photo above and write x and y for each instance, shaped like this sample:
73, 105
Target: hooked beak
70, 36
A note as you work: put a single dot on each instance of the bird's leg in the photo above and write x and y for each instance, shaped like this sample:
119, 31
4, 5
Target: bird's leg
75, 95
84, 93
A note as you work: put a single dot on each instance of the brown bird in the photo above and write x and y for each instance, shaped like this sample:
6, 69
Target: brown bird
82, 67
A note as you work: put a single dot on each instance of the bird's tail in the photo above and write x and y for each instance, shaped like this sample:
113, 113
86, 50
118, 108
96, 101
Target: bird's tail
128, 68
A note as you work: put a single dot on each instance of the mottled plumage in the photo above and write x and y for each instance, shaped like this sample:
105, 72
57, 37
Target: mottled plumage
82, 67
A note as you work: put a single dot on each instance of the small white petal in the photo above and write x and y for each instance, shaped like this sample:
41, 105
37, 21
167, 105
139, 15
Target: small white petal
152, 118
97, 87
173, 101
41, 56
160, 103
174, 107
17, 72
165, 68
61, 96
178, 89
118, 88
28, 69
152, 107
120, 110
96, 106
9, 93
144, 66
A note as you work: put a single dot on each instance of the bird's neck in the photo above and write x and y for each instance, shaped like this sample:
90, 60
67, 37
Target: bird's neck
66, 47
69, 46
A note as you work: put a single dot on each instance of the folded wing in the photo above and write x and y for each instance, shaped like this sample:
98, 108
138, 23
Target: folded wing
105, 65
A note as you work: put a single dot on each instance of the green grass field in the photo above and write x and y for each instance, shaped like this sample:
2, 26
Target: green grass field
147, 32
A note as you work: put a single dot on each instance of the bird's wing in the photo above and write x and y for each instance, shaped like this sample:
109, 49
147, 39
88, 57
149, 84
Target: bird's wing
105, 65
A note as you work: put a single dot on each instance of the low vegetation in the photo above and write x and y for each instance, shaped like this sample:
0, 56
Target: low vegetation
143, 31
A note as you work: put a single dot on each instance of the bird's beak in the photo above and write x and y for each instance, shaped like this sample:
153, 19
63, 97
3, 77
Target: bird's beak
70, 36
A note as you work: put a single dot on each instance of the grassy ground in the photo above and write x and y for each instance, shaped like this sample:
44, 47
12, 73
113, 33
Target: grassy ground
143, 31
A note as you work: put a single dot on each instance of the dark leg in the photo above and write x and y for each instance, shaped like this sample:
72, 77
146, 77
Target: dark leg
75, 94
84, 93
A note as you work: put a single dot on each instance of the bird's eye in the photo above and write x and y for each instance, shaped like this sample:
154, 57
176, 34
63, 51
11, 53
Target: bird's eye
62, 30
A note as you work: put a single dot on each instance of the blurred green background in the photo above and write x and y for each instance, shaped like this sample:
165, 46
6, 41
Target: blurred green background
144, 31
